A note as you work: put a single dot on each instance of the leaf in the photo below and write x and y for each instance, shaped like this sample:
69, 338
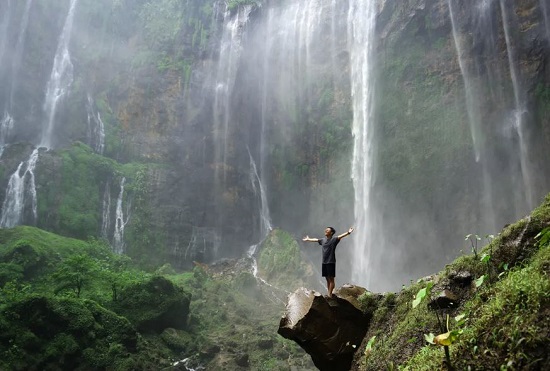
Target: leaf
480, 280
447, 338
460, 317
421, 294
370, 343
429, 338
485, 258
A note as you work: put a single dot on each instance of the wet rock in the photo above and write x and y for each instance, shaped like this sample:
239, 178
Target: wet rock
461, 279
265, 343
328, 329
445, 299
242, 360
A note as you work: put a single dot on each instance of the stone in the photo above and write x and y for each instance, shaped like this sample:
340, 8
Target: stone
242, 360
329, 330
445, 299
461, 279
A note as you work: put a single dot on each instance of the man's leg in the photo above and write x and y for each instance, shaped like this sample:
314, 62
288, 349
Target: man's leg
330, 286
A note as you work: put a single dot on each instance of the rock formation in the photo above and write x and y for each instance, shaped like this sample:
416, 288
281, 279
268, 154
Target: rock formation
329, 329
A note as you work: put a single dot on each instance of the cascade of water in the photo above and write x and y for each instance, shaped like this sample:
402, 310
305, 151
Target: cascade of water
472, 98
7, 123
120, 223
106, 215
520, 109
230, 52
61, 78
96, 128
265, 218
361, 22
473, 102
6, 126
4, 26
20, 186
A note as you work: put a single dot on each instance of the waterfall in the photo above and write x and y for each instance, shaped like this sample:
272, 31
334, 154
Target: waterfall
230, 52
472, 98
106, 215
6, 126
120, 223
21, 186
7, 123
4, 26
472, 92
361, 22
61, 78
520, 110
258, 187
96, 128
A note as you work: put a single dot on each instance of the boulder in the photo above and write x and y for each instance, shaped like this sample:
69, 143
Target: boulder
154, 305
328, 329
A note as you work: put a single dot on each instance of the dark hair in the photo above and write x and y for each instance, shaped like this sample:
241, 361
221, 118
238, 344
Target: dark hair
332, 230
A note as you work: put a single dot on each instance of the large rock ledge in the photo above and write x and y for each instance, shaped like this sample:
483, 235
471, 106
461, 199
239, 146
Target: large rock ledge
330, 330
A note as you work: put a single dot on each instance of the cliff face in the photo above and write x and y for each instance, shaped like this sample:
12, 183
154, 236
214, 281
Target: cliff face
218, 121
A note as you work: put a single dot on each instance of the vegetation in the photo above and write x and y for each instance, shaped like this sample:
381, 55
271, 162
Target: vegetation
74, 304
500, 321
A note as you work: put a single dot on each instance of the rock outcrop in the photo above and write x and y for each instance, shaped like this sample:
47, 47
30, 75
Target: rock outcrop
329, 329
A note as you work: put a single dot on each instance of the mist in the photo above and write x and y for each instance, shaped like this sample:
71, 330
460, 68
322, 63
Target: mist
208, 124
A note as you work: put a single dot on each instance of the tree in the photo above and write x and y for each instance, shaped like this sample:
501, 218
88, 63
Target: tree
74, 273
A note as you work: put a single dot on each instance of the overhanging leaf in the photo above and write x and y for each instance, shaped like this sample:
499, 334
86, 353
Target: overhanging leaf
480, 280
429, 338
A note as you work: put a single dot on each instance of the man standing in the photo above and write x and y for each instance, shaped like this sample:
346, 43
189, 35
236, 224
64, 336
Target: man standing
329, 243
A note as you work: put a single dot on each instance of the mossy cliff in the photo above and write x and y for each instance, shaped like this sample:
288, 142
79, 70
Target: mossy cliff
494, 302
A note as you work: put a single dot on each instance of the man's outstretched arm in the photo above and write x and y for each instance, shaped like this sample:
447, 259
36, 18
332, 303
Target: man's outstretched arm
309, 239
346, 233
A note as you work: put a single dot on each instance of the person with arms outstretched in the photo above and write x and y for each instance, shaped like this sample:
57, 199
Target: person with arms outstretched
329, 243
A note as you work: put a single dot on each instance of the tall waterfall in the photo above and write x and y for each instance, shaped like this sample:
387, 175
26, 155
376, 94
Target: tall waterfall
19, 186
473, 90
520, 109
230, 52
498, 120
96, 128
7, 122
361, 24
259, 190
106, 211
4, 26
120, 222
61, 78
20, 194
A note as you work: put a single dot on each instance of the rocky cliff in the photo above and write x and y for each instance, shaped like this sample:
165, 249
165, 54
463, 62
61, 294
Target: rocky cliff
197, 106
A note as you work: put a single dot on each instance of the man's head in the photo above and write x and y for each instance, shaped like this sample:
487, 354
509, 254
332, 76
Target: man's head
329, 232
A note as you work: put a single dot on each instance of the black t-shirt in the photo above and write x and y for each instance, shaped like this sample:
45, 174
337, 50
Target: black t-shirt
329, 247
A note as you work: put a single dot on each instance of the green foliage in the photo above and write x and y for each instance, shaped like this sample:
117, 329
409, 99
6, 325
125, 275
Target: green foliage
279, 259
421, 294
162, 21
74, 273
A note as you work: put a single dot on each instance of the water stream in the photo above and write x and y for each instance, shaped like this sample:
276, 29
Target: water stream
20, 194
361, 22
61, 79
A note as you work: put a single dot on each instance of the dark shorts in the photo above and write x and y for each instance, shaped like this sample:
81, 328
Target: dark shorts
329, 270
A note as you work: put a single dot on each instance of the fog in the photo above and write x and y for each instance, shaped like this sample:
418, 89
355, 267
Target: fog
285, 114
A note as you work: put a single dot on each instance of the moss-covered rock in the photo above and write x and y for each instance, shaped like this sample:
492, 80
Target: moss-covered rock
280, 261
43, 332
154, 305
